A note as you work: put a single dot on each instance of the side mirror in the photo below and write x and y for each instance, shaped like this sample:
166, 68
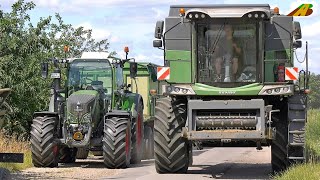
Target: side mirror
159, 29
153, 72
297, 44
129, 86
157, 43
133, 69
297, 30
44, 69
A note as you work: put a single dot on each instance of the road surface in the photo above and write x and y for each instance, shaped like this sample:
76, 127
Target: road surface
210, 163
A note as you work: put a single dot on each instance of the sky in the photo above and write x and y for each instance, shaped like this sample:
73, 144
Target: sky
131, 22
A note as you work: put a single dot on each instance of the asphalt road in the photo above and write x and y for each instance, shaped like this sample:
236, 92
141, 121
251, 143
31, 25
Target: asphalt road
210, 163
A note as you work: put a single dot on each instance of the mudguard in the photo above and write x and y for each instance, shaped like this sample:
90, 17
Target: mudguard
46, 113
131, 101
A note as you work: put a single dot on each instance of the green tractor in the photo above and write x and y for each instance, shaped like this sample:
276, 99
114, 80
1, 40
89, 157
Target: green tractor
230, 80
94, 111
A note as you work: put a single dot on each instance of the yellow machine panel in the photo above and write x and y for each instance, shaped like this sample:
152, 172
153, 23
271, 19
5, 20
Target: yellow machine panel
143, 84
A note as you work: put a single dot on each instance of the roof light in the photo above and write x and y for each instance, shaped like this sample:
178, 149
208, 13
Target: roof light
196, 15
126, 49
256, 15
176, 89
190, 16
203, 16
262, 15
182, 11
276, 10
249, 15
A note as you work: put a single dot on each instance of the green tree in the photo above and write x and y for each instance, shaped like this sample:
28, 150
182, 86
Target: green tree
314, 96
23, 46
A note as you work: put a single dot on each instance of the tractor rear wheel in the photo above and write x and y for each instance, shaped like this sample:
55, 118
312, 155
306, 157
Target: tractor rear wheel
44, 147
117, 142
171, 149
137, 137
279, 146
148, 143
82, 153
67, 155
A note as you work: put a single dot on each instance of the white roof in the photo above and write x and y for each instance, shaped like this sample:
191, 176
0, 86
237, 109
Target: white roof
95, 55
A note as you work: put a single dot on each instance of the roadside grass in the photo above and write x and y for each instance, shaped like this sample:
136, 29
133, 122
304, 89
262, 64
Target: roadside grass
15, 145
311, 169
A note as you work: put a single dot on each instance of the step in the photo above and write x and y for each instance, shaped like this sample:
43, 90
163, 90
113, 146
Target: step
296, 132
298, 120
296, 158
297, 107
296, 144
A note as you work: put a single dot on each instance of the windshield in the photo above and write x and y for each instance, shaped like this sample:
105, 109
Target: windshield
90, 75
227, 52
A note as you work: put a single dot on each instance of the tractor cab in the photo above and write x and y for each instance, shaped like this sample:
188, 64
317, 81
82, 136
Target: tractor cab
90, 73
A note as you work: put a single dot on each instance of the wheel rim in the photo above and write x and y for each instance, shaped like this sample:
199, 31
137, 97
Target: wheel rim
55, 150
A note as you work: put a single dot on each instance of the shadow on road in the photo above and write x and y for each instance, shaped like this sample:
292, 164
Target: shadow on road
233, 171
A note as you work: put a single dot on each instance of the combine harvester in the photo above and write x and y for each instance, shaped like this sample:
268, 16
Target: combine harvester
230, 78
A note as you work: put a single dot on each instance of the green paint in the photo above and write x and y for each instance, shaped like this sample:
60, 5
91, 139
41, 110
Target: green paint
172, 55
247, 90
180, 72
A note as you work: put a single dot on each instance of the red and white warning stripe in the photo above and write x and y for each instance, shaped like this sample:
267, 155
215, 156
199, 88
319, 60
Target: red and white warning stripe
163, 73
291, 73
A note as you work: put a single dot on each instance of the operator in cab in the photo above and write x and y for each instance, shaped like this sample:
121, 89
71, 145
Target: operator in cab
227, 51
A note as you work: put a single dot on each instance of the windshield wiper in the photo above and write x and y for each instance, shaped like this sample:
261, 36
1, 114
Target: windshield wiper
218, 38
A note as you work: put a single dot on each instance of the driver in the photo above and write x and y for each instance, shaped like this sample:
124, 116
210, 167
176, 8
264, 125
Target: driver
227, 49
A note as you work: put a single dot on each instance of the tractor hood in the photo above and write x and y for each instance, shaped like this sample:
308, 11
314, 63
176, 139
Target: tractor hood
82, 104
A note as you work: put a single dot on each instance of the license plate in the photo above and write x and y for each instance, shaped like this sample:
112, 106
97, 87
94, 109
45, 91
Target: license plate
55, 75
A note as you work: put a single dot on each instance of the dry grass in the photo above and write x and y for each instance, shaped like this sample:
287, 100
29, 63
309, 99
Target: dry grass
15, 145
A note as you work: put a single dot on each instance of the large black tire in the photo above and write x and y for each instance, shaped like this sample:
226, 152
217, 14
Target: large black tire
44, 146
279, 146
117, 142
67, 155
148, 143
82, 153
137, 136
171, 150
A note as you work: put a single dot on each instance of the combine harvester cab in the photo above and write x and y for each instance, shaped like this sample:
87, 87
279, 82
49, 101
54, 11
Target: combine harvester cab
230, 79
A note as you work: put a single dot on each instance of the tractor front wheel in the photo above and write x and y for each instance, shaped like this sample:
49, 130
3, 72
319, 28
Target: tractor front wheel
67, 155
117, 142
44, 147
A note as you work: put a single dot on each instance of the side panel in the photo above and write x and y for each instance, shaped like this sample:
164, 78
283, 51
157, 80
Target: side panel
143, 90
178, 50
278, 45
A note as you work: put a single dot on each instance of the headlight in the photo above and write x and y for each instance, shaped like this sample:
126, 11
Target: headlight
185, 91
277, 90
